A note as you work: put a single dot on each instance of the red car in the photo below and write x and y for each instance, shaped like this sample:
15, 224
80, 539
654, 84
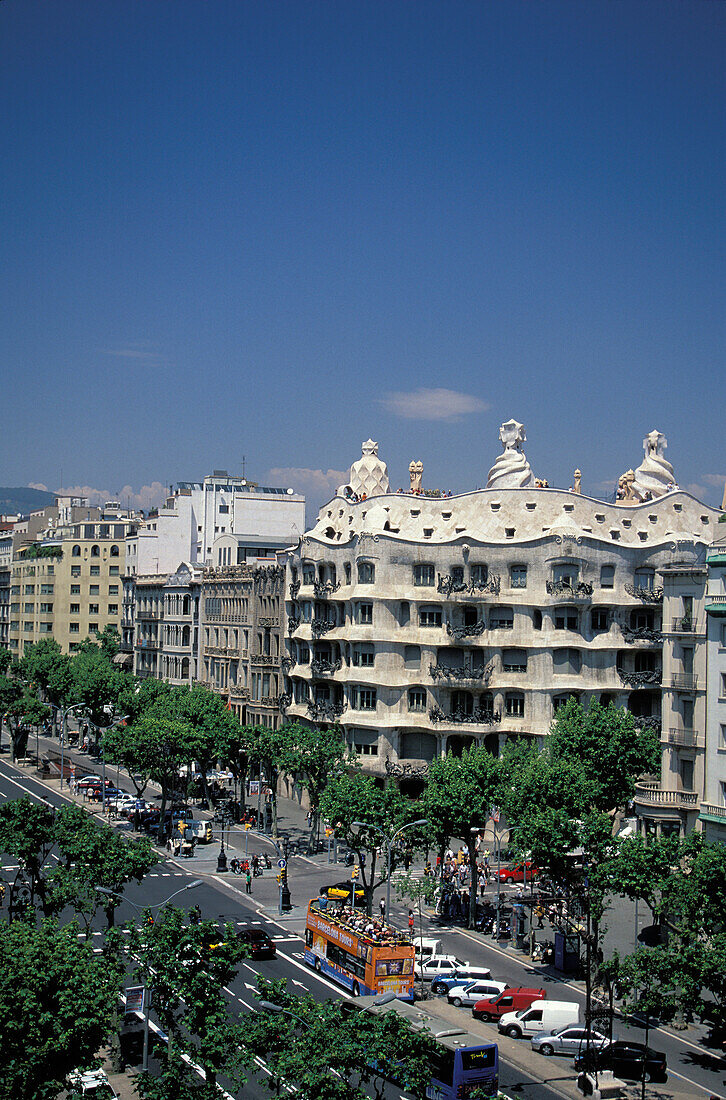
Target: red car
518, 872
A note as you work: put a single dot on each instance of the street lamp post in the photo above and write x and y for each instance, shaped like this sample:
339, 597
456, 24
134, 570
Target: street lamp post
105, 729
389, 846
64, 719
159, 905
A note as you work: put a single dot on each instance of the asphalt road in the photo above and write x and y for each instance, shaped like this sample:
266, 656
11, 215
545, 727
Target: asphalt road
692, 1068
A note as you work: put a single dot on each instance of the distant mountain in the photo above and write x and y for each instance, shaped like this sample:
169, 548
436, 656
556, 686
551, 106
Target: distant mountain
23, 500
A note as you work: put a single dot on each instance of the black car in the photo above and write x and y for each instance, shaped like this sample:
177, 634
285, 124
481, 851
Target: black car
625, 1059
258, 942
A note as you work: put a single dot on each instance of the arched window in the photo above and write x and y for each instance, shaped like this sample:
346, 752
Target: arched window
114, 551
95, 551
76, 552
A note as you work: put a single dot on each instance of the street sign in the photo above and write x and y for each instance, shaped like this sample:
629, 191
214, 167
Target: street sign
135, 998
282, 864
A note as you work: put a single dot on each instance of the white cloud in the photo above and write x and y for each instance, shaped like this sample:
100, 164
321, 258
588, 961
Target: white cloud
313, 483
715, 479
39, 485
439, 404
148, 496
141, 350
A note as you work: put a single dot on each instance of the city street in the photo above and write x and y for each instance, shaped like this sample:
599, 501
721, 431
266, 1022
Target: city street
692, 1071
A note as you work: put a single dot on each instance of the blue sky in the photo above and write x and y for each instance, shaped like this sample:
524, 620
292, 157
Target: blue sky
275, 229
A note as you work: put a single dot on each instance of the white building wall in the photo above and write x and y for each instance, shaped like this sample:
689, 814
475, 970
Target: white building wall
713, 807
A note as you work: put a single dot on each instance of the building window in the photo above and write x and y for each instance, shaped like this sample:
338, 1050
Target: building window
95, 570
364, 698
412, 656
479, 574
559, 701
424, 575
363, 742
113, 571
113, 609
365, 614
457, 574
565, 573
348, 572
404, 613
501, 618
417, 699
76, 552
93, 590
95, 551
93, 609
306, 611
75, 590
113, 590
114, 551
75, 609
537, 619
74, 628
566, 662
514, 704
607, 576
645, 578
566, 618
29, 590
363, 655
518, 576
599, 619
366, 572
75, 570
686, 770
308, 573
429, 615
514, 660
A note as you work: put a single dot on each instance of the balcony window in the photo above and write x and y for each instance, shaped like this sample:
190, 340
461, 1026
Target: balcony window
462, 702
308, 573
404, 613
479, 574
518, 576
559, 701
366, 572
514, 660
364, 698
348, 572
429, 615
412, 656
645, 578
566, 662
418, 746
607, 576
365, 614
303, 654
363, 656
424, 575
537, 619
363, 742
642, 618
501, 618
565, 574
566, 618
417, 699
514, 704
599, 620
686, 770
457, 574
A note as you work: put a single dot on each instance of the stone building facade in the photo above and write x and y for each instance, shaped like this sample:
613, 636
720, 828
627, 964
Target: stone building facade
424, 623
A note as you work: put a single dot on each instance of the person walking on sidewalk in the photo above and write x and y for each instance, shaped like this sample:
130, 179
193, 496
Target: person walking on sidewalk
382, 907
410, 921
248, 882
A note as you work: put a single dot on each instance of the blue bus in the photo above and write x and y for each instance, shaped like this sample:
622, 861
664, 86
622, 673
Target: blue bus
464, 1066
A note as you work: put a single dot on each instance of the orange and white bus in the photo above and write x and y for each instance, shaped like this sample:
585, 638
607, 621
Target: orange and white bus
363, 955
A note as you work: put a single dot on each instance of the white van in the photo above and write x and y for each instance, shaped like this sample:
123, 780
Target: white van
542, 1017
425, 948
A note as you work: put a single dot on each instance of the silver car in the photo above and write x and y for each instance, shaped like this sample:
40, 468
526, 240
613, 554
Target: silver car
568, 1040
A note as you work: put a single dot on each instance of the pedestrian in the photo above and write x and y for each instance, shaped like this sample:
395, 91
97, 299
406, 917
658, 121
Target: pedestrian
248, 882
382, 907
410, 920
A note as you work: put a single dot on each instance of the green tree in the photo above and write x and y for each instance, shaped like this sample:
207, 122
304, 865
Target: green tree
310, 757
21, 709
97, 684
325, 1052
189, 965
215, 728
27, 835
421, 891
349, 797
56, 1002
46, 666
460, 793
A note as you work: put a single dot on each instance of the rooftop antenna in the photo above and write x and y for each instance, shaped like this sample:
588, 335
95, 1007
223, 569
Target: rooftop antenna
244, 462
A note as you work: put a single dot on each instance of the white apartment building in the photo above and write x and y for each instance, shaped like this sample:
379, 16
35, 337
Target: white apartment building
425, 623
713, 805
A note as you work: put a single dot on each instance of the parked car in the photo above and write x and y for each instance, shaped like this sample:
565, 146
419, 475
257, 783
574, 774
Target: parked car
438, 966
91, 781
541, 1017
625, 1059
516, 873
568, 1040
97, 794
259, 943
513, 999
444, 982
473, 992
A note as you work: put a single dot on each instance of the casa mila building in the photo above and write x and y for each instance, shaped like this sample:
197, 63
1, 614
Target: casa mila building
424, 623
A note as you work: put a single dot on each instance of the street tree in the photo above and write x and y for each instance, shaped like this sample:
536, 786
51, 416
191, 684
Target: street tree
45, 666
27, 835
214, 726
98, 685
310, 757
324, 1052
457, 801
189, 965
350, 796
422, 892
56, 1003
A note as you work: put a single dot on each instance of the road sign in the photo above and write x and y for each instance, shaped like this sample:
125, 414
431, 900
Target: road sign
135, 998
282, 864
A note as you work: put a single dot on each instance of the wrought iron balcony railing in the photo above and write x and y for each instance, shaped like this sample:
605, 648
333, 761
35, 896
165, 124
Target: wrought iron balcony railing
581, 590
321, 666
324, 589
448, 585
479, 716
461, 672
471, 631
641, 634
647, 595
326, 712
322, 626
640, 679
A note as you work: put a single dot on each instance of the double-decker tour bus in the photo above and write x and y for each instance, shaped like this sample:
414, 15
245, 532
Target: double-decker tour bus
463, 1065
362, 954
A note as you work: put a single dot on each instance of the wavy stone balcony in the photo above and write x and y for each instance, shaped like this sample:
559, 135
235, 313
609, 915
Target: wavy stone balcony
641, 679
461, 633
647, 595
326, 712
478, 716
448, 585
461, 673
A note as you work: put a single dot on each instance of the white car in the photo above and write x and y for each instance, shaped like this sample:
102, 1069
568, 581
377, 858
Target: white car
438, 965
474, 991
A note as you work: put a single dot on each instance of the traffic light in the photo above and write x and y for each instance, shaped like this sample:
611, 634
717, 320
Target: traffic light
355, 872
282, 876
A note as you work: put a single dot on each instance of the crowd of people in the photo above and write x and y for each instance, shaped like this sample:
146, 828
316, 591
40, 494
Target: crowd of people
357, 921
